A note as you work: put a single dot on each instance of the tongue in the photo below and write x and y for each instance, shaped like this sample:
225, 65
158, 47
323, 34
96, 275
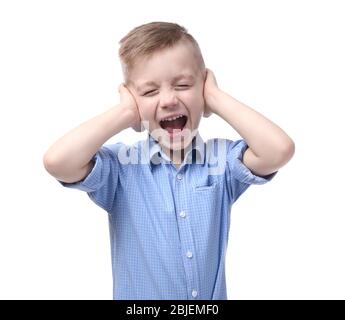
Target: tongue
174, 124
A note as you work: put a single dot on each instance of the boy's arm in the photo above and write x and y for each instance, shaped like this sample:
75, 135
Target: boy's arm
69, 158
269, 146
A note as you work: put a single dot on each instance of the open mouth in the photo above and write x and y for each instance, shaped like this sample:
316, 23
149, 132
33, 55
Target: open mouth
176, 123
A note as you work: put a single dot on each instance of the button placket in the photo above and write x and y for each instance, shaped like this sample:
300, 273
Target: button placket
186, 239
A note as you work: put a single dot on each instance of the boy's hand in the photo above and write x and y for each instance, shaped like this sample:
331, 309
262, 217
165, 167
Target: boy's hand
210, 87
128, 101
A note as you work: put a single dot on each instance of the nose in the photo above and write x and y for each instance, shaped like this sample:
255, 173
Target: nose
168, 99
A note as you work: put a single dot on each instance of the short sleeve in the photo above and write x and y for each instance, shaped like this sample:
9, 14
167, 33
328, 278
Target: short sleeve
101, 183
238, 176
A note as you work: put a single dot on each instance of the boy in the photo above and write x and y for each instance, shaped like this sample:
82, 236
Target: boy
169, 197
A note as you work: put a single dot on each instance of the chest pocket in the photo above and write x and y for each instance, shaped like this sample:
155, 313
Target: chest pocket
206, 200
208, 187
205, 214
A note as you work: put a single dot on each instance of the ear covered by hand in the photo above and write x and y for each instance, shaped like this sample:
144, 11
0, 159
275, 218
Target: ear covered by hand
210, 86
128, 101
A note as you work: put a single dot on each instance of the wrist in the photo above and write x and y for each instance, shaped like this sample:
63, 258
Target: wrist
131, 116
213, 99
123, 116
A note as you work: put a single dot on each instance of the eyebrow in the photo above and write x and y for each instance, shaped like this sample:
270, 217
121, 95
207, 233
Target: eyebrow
181, 76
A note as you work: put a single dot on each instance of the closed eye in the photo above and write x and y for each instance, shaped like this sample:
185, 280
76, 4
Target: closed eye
179, 86
148, 92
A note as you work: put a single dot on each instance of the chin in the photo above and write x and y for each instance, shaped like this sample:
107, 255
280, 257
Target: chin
173, 146
176, 142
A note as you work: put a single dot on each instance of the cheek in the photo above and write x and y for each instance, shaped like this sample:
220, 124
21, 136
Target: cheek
146, 110
190, 96
194, 101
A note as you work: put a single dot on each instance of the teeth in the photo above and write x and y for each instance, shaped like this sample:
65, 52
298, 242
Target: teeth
173, 118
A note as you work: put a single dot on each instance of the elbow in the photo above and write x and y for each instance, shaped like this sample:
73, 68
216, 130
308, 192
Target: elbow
286, 151
47, 162
50, 163
289, 149
277, 158
63, 171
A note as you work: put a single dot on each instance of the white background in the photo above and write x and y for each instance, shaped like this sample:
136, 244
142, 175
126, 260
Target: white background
59, 67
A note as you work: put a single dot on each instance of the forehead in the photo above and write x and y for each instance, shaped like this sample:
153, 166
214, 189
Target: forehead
171, 64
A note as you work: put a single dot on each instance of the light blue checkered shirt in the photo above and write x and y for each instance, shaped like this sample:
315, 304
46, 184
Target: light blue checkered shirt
169, 228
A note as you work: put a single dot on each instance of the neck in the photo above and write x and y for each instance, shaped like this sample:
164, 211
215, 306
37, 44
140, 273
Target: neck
176, 156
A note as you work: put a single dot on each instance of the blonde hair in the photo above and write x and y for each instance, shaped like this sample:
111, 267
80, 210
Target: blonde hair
149, 38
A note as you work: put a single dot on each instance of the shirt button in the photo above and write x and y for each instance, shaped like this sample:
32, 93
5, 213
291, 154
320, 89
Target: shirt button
194, 293
179, 176
189, 254
182, 214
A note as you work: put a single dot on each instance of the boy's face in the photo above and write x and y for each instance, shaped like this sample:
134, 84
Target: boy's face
167, 85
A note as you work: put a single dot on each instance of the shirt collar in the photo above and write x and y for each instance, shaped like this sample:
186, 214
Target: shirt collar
194, 153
